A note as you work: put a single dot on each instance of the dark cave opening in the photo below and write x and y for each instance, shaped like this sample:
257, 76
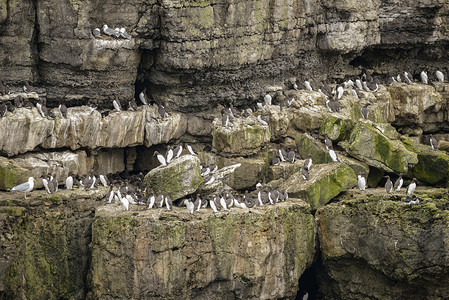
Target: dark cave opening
308, 284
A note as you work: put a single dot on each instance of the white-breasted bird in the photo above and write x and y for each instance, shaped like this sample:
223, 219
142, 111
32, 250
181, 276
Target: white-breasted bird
160, 158
412, 186
25, 187
361, 182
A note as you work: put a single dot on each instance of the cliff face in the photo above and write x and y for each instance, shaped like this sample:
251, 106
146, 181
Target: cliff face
200, 53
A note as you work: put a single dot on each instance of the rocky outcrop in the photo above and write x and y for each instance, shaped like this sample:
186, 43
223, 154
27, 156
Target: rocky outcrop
84, 127
181, 177
325, 182
257, 254
45, 244
374, 246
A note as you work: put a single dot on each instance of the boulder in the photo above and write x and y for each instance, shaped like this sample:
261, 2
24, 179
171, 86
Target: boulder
325, 182
244, 138
39, 164
161, 130
374, 147
432, 166
336, 128
416, 104
242, 254
306, 145
374, 247
307, 118
181, 177
222, 177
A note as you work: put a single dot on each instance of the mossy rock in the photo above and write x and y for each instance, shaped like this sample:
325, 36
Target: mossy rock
11, 174
371, 146
239, 140
309, 145
336, 129
432, 166
326, 181
181, 177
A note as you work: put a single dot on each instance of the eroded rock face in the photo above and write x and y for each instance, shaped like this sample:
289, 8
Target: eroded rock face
376, 247
181, 177
85, 128
257, 255
325, 182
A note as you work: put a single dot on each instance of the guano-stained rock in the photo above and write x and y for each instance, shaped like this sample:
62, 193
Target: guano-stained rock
181, 177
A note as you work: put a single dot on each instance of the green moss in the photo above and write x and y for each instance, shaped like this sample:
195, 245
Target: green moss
242, 140
336, 129
15, 211
11, 174
308, 145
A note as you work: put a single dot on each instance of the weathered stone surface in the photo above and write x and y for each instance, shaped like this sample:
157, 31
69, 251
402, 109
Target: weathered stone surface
375, 247
181, 177
336, 129
432, 166
257, 255
85, 128
45, 243
16, 170
245, 137
376, 149
416, 104
306, 145
325, 182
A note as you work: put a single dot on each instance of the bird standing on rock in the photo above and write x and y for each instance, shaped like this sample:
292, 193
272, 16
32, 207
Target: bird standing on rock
361, 181
308, 162
365, 111
160, 158
262, 120
267, 99
3, 110
96, 32
25, 187
169, 154
62, 111
398, 183
177, 151
116, 104
433, 142
132, 105
168, 201
143, 97
411, 188
388, 184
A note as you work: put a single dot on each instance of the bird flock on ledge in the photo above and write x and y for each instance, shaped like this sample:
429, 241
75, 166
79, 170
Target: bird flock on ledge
128, 189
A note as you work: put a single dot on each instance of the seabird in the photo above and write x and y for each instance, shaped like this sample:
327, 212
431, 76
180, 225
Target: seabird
117, 32
190, 206
45, 183
124, 34
96, 32
291, 156
282, 154
305, 173
177, 151
258, 185
108, 31
11, 108
262, 120
267, 99
110, 195
424, 77
295, 86
160, 199
143, 97
355, 93
225, 121
388, 184
439, 75
358, 84
18, 102
162, 111
209, 180
408, 77
3, 88
361, 181
125, 202
132, 105
398, 183
333, 155
116, 103
308, 86
169, 154
104, 180
63, 111
3, 110
168, 201
205, 170
190, 149
27, 88
308, 162
198, 203
25, 187
234, 111
151, 200
27, 104
69, 182
327, 143
433, 142
160, 158
213, 168
275, 161
333, 105
340, 92
223, 202
213, 206
365, 111
411, 188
